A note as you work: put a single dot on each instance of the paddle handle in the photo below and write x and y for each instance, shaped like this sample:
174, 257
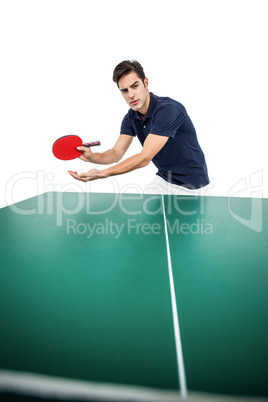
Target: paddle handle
91, 144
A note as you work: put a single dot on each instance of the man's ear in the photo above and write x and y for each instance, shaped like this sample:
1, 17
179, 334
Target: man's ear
146, 82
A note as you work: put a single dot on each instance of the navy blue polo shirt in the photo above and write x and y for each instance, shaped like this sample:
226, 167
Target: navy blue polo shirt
181, 161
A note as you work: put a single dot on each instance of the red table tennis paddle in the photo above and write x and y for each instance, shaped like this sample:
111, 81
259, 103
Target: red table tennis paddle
65, 148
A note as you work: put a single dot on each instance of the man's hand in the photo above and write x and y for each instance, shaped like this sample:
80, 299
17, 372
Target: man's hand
91, 175
152, 145
87, 154
113, 155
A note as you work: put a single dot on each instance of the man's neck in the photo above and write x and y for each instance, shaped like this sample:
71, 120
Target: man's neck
143, 114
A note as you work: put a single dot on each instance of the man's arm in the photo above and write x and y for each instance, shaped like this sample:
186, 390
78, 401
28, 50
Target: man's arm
152, 145
113, 155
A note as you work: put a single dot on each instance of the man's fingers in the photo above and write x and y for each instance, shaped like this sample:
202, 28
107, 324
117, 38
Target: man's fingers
83, 149
76, 176
92, 174
86, 153
83, 158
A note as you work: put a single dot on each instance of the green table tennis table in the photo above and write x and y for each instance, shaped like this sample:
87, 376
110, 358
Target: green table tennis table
130, 297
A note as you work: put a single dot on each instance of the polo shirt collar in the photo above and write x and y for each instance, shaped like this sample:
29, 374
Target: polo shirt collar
152, 104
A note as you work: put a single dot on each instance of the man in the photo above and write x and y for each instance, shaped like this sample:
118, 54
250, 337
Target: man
165, 131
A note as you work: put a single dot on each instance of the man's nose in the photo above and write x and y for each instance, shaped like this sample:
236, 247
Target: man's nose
131, 94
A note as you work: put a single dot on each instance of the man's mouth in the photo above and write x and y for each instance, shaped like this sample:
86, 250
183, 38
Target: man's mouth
135, 102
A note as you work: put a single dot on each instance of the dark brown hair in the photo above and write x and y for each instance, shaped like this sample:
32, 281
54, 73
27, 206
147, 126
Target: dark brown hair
127, 67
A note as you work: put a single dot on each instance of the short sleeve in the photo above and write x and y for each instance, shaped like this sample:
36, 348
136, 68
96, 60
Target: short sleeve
167, 120
126, 126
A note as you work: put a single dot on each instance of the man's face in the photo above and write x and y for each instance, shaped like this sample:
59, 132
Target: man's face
135, 92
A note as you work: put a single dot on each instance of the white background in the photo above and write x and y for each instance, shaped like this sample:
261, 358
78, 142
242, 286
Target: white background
57, 59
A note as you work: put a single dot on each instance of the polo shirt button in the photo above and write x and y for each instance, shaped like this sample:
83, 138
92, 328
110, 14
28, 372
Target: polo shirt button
144, 126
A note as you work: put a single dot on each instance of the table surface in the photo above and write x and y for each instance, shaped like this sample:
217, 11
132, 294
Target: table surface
134, 296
